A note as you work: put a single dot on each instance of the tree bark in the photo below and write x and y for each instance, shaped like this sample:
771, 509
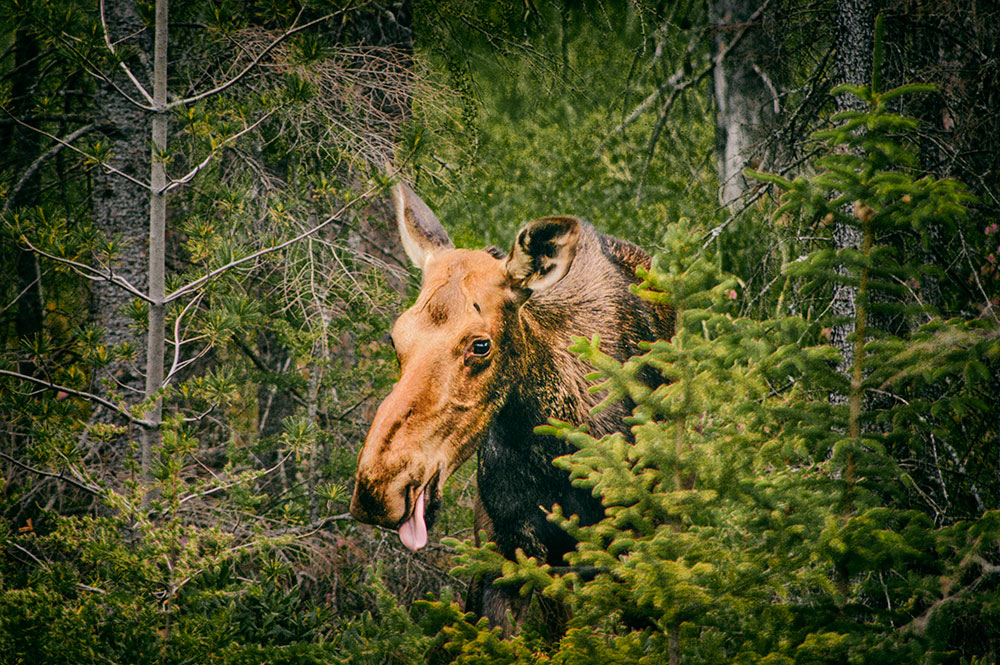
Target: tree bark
157, 244
855, 40
119, 205
747, 106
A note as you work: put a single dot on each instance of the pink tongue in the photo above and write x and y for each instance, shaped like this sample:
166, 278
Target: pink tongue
413, 533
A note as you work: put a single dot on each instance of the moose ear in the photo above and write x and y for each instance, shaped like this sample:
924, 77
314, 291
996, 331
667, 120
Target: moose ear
543, 252
419, 228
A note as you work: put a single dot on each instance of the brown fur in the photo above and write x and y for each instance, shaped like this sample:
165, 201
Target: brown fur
562, 279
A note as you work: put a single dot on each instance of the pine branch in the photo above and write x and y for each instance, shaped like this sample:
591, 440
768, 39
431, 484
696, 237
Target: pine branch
89, 272
124, 67
78, 393
57, 476
183, 180
41, 159
66, 144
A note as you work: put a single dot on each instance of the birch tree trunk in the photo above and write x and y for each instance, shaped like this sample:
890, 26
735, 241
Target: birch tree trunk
746, 100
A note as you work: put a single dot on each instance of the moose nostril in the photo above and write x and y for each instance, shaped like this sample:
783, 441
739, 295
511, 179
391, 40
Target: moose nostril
365, 505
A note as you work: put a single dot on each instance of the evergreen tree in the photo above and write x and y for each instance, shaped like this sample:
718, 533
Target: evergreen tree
749, 518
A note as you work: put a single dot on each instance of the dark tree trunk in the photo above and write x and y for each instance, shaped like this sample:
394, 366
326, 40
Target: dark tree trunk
24, 146
855, 39
121, 207
745, 97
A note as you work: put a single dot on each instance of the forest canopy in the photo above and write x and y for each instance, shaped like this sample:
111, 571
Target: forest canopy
201, 267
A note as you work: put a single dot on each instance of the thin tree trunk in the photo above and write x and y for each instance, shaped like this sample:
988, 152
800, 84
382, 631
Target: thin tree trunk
157, 243
855, 39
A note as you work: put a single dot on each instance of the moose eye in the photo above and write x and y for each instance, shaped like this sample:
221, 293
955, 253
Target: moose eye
481, 347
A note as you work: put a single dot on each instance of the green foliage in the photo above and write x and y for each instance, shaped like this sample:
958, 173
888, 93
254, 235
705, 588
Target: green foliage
235, 546
543, 140
749, 518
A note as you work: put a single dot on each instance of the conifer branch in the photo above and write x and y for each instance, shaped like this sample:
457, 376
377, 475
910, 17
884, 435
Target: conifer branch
77, 393
41, 159
65, 143
89, 272
56, 476
189, 176
96, 72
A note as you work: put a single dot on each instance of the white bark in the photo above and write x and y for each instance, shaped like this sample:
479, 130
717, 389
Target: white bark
747, 104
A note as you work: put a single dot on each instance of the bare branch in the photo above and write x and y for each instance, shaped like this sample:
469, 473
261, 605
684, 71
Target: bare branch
253, 63
715, 232
671, 83
676, 83
177, 364
187, 288
41, 159
128, 72
125, 413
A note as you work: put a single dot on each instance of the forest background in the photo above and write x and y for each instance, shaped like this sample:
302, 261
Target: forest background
199, 271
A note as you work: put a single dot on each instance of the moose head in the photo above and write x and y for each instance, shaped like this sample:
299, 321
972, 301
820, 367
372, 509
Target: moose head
459, 349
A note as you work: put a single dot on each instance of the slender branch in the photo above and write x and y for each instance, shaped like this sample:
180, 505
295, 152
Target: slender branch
775, 97
253, 63
41, 159
48, 474
677, 83
989, 308
187, 288
717, 231
89, 272
95, 71
77, 393
175, 183
20, 295
219, 488
177, 364
107, 167
671, 83
128, 72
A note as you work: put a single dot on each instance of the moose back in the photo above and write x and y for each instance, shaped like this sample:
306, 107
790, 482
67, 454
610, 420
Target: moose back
484, 359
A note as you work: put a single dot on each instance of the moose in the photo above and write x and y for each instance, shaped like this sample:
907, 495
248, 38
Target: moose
484, 360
